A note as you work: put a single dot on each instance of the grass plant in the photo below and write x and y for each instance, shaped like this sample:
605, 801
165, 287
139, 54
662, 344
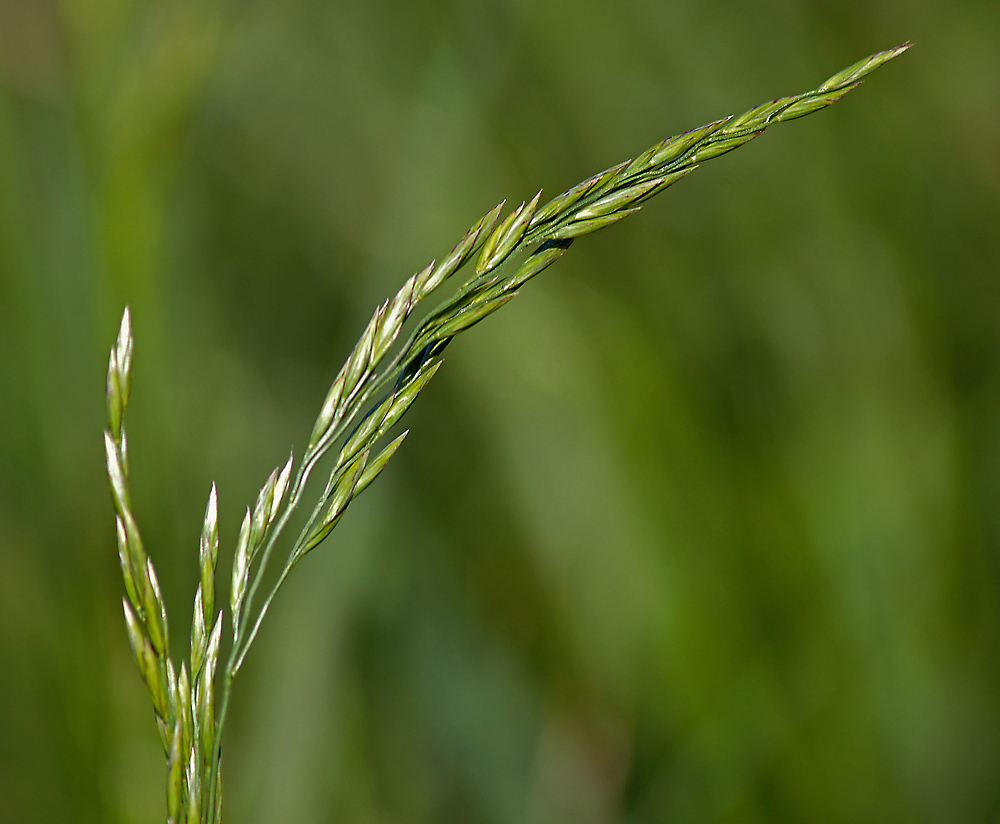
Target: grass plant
379, 381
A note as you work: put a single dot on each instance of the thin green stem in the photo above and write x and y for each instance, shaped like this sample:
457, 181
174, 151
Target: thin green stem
261, 614
208, 811
229, 672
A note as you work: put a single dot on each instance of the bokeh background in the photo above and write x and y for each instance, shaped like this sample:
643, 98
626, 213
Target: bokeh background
703, 527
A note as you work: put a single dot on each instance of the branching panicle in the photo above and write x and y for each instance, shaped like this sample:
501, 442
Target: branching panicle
368, 397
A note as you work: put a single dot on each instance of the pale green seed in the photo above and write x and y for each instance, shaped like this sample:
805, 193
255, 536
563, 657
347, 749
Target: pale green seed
617, 200
374, 469
407, 395
368, 427
720, 147
506, 237
241, 568
119, 488
199, 637
585, 227
175, 786
126, 564
464, 250
156, 611
676, 147
811, 104
853, 73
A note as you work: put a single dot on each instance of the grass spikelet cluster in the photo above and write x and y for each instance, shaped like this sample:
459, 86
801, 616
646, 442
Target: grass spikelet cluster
368, 397
183, 698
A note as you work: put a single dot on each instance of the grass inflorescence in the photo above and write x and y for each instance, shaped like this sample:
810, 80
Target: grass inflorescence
369, 395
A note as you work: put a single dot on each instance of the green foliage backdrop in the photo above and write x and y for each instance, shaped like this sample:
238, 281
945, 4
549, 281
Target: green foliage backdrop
703, 527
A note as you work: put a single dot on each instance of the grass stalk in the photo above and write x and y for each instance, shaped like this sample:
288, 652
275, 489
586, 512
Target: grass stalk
367, 399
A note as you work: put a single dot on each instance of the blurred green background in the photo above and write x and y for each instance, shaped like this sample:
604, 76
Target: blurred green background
704, 527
